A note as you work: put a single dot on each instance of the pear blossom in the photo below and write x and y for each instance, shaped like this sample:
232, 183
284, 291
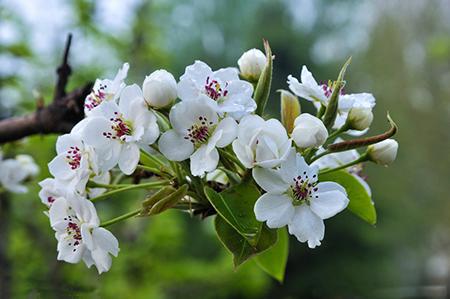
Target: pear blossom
252, 63
228, 94
197, 133
295, 198
14, 171
116, 132
106, 90
51, 190
383, 152
79, 235
260, 142
309, 131
73, 163
160, 89
27, 164
320, 94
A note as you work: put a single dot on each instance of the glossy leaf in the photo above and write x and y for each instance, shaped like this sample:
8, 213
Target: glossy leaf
360, 202
262, 90
273, 260
238, 245
236, 207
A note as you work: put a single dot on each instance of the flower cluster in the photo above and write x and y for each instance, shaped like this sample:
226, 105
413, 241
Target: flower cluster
206, 131
14, 172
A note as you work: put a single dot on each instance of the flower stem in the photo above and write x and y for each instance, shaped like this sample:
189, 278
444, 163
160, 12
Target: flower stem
151, 185
120, 218
326, 152
161, 173
362, 158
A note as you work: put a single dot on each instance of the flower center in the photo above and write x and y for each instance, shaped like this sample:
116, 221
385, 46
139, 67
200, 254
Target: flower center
95, 98
73, 157
199, 132
302, 189
73, 232
214, 90
120, 127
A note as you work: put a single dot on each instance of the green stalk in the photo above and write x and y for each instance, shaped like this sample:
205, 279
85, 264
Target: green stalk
362, 158
151, 185
120, 218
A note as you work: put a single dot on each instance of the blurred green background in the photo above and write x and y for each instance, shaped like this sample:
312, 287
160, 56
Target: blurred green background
401, 53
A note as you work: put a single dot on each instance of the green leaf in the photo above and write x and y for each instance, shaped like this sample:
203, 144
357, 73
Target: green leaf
262, 90
331, 111
239, 246
236, 207
273, 260
360, 202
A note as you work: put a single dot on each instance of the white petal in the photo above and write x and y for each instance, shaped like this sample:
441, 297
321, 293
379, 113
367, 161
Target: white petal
68, 253
102, 260
129, 158
277, 210
86, 235
243, 153
128, 95
227, 74
185, 114
198, 71
327, 204
105, 240
60, 169
64, 142
203, 161
174, 147
330, 186
229, 131
307, 226
93, 132
270, 180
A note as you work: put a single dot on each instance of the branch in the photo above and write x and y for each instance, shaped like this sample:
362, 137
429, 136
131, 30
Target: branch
58, 117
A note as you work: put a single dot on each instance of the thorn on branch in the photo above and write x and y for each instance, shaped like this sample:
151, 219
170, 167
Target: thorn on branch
63, 72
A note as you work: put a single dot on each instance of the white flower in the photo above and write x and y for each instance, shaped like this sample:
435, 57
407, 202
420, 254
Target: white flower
27, 164
79, 236
73, 162
360, 118
310, 90
160, 89
117, 131
252, 63
106, 90
51, 190
223, 88
261, 143
383, 152
309, 131
12, 176
295, 198
197, 133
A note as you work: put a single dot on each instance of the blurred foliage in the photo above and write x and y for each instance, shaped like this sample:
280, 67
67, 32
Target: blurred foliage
401, 54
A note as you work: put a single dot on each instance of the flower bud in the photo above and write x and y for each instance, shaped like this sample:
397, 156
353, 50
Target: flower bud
290, 109
383, 152
252, 64
160, 89
309, 131
360, 118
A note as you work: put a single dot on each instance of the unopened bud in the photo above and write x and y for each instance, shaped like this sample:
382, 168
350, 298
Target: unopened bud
290, 109
383, 152
309, 131
251, 64
160, 89
360, 118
